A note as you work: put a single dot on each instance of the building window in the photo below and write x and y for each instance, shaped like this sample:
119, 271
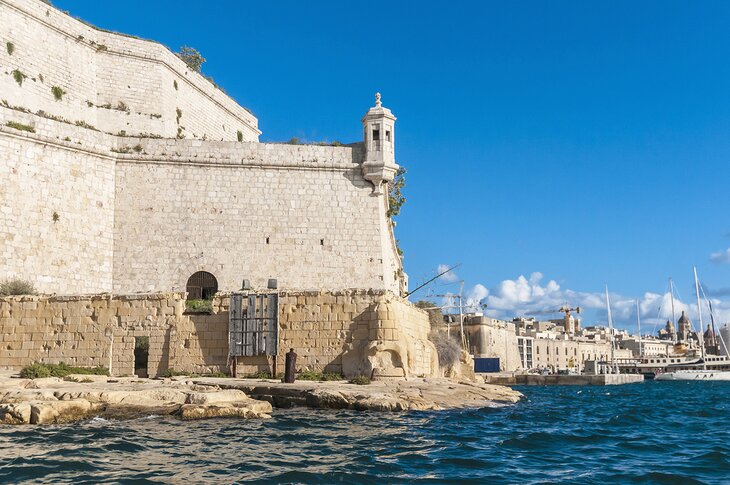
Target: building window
201, 286
376, 138
387, 135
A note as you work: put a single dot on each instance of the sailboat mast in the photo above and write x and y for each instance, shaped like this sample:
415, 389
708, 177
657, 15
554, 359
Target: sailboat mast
638, 320
700, 337
610, 329
674, 317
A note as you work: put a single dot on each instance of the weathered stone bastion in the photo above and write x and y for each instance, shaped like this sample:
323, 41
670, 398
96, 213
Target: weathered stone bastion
124, 171
352, 332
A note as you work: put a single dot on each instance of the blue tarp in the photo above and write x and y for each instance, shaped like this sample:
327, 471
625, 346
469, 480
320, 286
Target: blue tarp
486, 364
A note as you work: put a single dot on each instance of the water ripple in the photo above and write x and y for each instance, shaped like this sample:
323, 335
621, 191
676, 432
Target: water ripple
644, 433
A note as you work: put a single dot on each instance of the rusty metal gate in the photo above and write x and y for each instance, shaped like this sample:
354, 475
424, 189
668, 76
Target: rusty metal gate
253, 325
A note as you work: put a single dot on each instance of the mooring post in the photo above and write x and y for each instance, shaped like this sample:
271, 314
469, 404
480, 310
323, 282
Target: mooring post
290, 367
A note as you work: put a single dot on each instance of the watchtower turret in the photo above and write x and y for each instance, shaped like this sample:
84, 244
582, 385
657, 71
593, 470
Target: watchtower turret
379, 136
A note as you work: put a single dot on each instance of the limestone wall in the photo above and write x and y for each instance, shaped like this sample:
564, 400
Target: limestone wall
88, 330
491, 338
144, 214
114, 82
301, 214
353, 332
56, 212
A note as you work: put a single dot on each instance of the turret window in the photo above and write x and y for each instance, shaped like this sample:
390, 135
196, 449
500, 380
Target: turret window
376, 138
387, 135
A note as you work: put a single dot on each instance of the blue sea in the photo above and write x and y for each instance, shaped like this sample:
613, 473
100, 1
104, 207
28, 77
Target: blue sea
655, 432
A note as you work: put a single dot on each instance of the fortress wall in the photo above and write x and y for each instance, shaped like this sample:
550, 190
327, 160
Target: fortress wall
42, 176
98, 70
353, 332
147, 213
90, 331
301, 214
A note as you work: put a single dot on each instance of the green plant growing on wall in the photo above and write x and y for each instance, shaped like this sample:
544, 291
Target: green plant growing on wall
395, 193
239, 135
174, 84
10, 47
101, 48
55, 217
41, 78
293, 141
137, 148
20, 126
121, 106
18, 76
17, 286
178, 111
58, 92
191, 57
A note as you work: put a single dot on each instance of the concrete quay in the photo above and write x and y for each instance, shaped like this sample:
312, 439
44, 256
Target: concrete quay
511, 378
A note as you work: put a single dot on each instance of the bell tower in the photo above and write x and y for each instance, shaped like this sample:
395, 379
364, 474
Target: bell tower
379, 136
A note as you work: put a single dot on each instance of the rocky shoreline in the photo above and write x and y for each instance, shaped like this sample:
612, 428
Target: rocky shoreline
78, 397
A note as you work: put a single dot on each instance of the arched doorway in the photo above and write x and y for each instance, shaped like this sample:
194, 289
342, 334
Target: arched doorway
201, 286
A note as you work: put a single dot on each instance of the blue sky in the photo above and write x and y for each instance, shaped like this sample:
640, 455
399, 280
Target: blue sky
588, 142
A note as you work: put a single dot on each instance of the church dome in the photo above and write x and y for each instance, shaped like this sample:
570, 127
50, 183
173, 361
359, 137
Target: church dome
683, 319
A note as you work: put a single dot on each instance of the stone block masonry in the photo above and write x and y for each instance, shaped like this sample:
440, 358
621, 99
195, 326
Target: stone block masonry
353, 332
124, 171
114, 82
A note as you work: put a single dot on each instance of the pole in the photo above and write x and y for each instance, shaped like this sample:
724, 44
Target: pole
699, 313
461, 318
610, 329
638, 320
674, 318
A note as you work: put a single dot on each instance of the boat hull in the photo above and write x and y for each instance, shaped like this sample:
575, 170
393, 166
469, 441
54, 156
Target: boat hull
693, 375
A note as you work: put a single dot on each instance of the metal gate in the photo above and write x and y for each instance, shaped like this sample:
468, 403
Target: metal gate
253, 325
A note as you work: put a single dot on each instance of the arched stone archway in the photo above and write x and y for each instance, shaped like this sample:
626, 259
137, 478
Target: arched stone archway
201, 286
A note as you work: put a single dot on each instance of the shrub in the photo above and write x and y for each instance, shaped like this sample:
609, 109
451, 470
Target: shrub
10, 47
20, 126
101, 48
199, 306
293, 141
191, 57
262, 374
308, 375
178, 112
17, 286
137, 148
172, 373
360, 380
58, 92
122, 106
18, 76
38, 370
447, 348
239, 135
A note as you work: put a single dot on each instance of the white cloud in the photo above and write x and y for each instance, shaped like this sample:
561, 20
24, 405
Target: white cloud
721, 257
525, 295
449, 277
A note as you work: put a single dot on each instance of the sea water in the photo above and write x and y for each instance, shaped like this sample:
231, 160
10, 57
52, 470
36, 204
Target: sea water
654, 432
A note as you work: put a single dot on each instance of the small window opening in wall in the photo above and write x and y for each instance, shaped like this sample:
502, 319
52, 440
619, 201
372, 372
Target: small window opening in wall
321, 242
141, 355
376, 134
387, 135
267, 240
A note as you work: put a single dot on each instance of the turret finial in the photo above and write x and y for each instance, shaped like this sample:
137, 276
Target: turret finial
378, 104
